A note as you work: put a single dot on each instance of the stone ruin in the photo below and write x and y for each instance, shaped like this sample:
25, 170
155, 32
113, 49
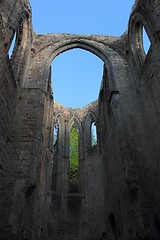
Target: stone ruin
118, 191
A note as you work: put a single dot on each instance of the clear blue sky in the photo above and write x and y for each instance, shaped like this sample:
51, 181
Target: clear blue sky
77, 74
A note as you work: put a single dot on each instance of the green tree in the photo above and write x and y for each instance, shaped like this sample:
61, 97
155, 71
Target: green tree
74, 155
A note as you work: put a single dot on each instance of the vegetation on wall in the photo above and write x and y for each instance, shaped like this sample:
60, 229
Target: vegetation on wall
74, 155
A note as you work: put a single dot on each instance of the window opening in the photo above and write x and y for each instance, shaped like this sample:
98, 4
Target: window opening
104, 235
55, 133
93, 134
113, 224
12, 46
146, 41
74, 159
76, 78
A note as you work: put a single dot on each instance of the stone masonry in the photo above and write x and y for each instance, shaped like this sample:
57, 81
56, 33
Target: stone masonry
118, 194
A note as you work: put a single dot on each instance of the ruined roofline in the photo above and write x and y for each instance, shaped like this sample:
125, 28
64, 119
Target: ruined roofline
86, 106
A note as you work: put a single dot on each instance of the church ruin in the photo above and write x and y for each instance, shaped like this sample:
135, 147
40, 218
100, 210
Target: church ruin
116, 195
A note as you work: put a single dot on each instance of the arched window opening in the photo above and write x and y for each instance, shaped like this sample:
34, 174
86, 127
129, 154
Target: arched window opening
76, 78
74, 159
112, 222
12, 45
139, 39
146, 41
55, 133
93, 134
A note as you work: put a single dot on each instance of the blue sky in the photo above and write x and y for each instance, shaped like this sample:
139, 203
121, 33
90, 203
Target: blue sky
77, 74
86, 16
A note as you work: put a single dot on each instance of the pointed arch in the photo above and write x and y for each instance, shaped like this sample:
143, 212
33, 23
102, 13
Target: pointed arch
74, 120
74, 133
18, 47
60, 43
76, 43
91, 125
137, 25
60, 118
85, 76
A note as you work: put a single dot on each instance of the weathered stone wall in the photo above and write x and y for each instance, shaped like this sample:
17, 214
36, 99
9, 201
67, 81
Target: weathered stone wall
131, 134
22, 168
123, 154
73, 214
119, 181
19, 136
7, 106
16, 21
11, 16
148, 90
8, 82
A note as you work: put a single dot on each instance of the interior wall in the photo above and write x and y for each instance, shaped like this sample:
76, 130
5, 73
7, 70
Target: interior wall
73, 214
131, 135
8, 93
119, 197
10, 16
148, 80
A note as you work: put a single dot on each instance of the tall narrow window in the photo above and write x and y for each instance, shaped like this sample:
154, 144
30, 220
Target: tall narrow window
146, 41
12, 45
55, 133
93, 134
74, 159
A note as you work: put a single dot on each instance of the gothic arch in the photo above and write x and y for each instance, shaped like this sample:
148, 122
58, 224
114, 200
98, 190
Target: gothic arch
43, 58
90, 118
136, 24
81, 44
72, 121
23, 39
71, 44
75, 120
59, 116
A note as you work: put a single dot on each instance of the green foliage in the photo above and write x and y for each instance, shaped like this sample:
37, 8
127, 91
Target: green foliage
74, 159
74, 155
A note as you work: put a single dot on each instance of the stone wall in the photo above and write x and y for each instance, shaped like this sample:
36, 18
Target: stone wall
147, 87
8, 94
119, 182
11, 20
24, 180
73, 214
